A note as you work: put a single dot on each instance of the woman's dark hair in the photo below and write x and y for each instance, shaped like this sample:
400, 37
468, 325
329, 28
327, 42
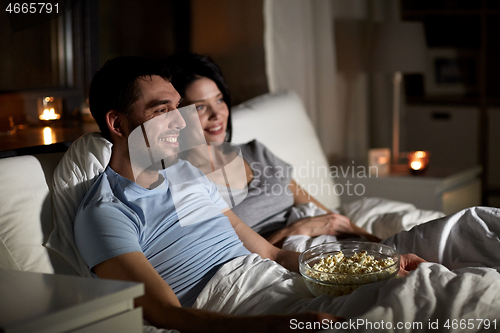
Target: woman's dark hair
185, 68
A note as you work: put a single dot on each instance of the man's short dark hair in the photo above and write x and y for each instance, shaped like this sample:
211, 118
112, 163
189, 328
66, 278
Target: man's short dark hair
114, 86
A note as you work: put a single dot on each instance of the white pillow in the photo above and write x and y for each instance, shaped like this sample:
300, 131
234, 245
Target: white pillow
279, 121
80, 166
25, 213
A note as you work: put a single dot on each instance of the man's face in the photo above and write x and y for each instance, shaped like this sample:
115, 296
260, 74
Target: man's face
156, 119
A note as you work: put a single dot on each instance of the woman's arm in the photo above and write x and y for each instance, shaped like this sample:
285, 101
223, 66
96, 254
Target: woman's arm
300, 196
327, 224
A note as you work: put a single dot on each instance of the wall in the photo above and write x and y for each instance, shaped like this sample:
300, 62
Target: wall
231, 32
365, 97
146, 28
352, 80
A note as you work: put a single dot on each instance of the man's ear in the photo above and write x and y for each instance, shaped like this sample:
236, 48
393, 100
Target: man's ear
115, 122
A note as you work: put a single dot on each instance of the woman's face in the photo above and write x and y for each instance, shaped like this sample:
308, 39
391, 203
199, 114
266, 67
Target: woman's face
212, 109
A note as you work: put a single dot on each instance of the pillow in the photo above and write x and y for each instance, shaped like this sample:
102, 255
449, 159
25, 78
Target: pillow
25, 212
279, 121
80, 166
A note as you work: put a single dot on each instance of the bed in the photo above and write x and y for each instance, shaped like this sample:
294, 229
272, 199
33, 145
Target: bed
38, 205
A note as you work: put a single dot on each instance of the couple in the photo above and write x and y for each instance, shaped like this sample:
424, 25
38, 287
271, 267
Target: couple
129, 229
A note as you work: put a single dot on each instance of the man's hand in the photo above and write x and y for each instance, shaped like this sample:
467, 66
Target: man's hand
409, 262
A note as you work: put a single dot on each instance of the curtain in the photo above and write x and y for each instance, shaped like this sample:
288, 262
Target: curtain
299, 52
304, 52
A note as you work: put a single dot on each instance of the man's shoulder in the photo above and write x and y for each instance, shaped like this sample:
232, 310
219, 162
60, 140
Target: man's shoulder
182, 172
100, 194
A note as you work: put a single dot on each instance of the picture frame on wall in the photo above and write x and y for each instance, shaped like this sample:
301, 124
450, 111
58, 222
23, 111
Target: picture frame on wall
450, 72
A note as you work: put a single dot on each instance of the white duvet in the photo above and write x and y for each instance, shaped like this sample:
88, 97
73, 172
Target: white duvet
380, 217
460, 291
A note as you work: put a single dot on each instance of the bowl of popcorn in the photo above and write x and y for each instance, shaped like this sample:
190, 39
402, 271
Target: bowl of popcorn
339, 268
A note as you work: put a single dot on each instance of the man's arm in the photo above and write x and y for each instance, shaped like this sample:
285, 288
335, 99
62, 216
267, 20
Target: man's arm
162, 308
255, 243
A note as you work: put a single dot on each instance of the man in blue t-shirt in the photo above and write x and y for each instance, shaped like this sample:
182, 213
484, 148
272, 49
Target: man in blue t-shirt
128, 226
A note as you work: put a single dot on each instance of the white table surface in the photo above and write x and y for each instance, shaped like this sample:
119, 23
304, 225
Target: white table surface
33, 302
435, 189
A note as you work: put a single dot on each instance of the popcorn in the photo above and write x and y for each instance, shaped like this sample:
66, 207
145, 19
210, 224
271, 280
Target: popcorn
357, 263
349, 273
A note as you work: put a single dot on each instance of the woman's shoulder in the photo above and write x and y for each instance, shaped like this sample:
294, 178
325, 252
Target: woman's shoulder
254, 147
255, 151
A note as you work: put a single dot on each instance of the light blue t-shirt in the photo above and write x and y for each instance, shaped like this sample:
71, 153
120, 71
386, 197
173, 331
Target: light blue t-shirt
119, 216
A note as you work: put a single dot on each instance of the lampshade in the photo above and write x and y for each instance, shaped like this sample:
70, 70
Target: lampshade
398, 47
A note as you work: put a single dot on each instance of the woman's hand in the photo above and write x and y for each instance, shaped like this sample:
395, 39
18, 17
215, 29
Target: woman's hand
328, 224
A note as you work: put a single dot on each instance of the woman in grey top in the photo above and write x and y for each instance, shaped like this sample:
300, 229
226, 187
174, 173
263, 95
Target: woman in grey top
271, 191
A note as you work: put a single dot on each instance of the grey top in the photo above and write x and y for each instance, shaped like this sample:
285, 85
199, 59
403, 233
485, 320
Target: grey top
269, 200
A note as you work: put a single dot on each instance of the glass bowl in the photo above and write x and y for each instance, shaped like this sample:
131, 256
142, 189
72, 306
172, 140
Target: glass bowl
339, 284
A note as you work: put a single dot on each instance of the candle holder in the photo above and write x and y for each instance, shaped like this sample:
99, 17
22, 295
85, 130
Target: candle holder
418, 161
380, 158
49, 110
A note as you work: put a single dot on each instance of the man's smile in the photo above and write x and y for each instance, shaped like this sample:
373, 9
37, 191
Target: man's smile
170, 140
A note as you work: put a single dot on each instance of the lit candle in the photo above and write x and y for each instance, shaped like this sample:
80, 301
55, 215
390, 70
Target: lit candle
418, 160
49, 108
49, 114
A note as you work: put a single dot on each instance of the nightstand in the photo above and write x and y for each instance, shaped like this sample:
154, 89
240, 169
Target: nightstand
447, 190
35, 302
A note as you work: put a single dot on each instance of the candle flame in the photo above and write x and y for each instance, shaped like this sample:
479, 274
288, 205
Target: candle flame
420, 154
49, 115
416, 165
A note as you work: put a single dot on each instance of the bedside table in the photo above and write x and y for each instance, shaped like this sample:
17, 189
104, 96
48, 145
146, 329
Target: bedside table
442, 189
35, 302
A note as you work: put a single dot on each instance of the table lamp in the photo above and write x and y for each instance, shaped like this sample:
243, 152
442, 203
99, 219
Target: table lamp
398, 47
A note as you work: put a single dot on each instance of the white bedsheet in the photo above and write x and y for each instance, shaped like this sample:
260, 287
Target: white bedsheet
253, 286
384, 218
427, 299
381, 217
466, 239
